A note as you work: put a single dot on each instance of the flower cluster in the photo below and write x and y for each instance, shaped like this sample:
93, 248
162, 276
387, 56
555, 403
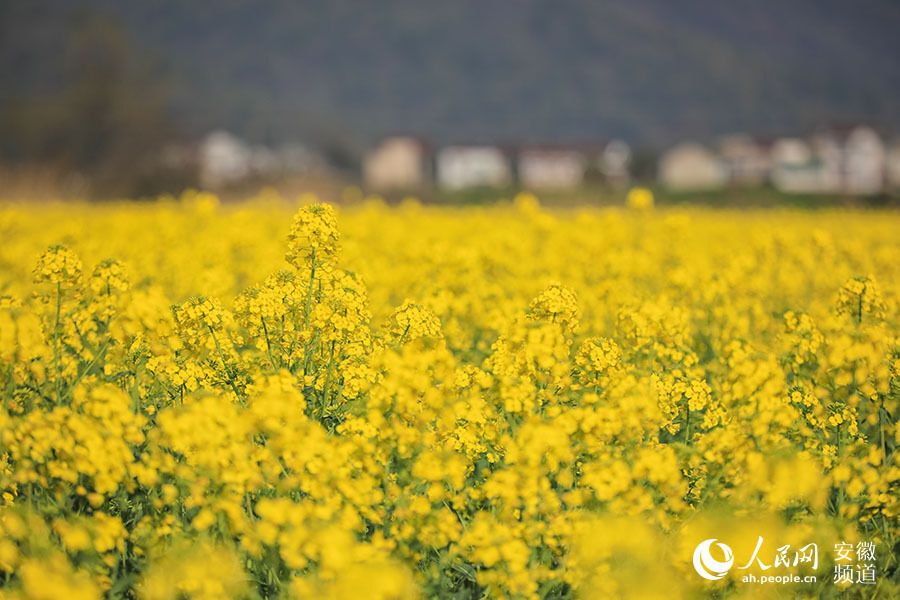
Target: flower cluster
58, 266
861, 297
313, 237
472, 403
412, 321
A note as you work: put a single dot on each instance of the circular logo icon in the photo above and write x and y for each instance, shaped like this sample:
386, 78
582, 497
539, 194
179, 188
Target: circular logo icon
708, 567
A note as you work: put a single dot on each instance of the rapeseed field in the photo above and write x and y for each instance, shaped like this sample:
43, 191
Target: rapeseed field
295, 400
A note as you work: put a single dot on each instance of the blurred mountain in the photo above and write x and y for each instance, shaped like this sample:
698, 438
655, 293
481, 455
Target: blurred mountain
345, 71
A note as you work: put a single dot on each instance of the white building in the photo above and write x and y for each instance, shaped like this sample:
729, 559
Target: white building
799, 169
397, 163
849, 160
549, 167
567, 166
747, 161
614, 162
460, 167
691, 166
224, 159
864, 162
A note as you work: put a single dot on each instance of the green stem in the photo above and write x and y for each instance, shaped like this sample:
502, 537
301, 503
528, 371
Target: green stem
309, 294
268, 343
403, 337
136, 390
312, 277
840, 452
328, 379
687, 427
859, 304
56, 368
99, 354
225, 366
